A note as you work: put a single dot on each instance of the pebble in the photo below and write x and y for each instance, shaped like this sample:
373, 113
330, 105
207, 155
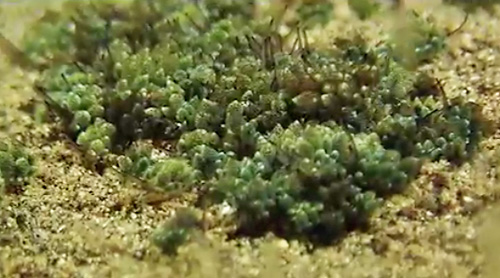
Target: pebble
467, 42
283, 244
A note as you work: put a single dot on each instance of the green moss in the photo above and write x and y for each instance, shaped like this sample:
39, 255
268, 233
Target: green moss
300, 141
417, 40
176, 232
97, 138
172, 173
16, 166
137, 161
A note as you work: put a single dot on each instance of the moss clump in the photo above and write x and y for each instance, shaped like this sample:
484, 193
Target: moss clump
301, 141
16, 166
315, 180
176, 232
417, 40
164, 172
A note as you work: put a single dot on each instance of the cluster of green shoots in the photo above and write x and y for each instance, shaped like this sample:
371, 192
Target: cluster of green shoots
16, 166
302, 141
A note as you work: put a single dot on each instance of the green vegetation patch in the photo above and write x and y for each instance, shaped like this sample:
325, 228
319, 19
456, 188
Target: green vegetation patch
300, 141
16, 166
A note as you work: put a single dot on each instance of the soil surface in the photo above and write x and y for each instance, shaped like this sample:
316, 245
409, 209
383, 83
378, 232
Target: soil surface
73, 222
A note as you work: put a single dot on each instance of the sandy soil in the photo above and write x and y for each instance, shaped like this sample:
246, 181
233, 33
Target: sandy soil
72, 222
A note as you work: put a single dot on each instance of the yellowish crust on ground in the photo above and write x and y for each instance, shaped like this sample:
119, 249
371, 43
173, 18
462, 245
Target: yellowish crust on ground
71, 222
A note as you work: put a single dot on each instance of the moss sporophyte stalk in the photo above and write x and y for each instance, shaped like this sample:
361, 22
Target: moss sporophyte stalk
301, 141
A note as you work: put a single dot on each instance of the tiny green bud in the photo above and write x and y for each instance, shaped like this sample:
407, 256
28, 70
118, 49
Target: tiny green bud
98, 147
